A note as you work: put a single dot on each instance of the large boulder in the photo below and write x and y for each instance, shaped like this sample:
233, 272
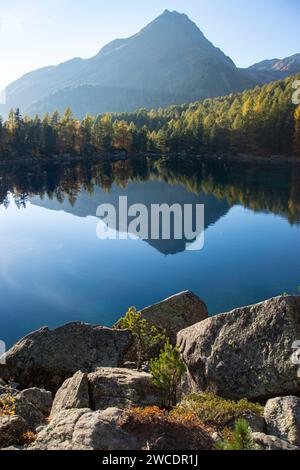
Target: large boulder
31, 415
11, 430
245, 353
282, 416
74, 393
112, 429
46, 358
176, 313
41, 399
100, 430
58, 434
82, 429
121, 388
106, 388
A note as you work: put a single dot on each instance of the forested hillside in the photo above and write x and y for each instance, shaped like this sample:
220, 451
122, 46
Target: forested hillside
260, 121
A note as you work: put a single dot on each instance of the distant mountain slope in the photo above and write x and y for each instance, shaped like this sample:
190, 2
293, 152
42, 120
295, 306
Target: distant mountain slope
289, 64
99, 99
275, 69
168, 58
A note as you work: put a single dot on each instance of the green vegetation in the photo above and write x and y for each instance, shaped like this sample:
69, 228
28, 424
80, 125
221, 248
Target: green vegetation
241, 438
168, 368
259, 121
206, 414
214, 410
167, 371
147, 336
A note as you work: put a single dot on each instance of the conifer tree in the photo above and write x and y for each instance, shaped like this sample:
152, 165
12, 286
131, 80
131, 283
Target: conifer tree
167, 371
296, 143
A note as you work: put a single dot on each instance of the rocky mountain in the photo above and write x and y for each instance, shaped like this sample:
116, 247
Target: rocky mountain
275, 69
168, 62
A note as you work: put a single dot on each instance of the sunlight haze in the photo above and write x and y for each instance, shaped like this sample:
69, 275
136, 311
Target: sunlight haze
37, 33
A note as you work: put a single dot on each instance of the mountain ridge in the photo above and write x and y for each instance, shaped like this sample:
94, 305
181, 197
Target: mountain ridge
169, 56
169, 61
274, 69
290, 63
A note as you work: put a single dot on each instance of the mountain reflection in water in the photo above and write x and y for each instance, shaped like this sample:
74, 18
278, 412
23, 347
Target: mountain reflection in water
53, 269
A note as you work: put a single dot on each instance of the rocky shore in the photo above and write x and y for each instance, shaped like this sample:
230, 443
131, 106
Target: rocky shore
75, 389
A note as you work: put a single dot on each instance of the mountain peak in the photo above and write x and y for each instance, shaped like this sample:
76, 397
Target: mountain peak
169, 58
172, 24
174, 16
173, 13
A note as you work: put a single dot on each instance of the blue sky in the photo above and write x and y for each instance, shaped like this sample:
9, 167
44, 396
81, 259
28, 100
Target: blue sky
35, 33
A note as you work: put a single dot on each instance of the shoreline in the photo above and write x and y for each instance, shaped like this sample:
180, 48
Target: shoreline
121, 156
102, 387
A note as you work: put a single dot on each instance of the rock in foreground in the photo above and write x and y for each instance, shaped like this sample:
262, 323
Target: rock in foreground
11, 430
265, 442
121, 388
245, 353
282, 416
74, 393
46, 358
83, 429
113, 429
106, 388
41, 399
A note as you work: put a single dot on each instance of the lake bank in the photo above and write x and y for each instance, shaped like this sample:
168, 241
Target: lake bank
76, 386
123, 156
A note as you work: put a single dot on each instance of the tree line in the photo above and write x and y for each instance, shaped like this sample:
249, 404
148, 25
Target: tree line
259, 121
232, 181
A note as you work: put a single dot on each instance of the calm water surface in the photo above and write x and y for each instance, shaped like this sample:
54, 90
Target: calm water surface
53, 268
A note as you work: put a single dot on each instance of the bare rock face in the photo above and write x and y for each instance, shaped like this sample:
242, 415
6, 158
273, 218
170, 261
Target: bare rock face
74, 393
106, 388
245, 353
41, 399
46, 358
31, 415
282, 416
100, 430
11, 430
121, 388
176, 313
59, 432
82, 429
265, 442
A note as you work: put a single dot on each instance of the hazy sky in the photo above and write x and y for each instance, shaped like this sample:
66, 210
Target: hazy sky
35, 33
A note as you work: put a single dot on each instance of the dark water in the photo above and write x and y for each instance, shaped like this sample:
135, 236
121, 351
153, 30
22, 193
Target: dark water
54, 269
